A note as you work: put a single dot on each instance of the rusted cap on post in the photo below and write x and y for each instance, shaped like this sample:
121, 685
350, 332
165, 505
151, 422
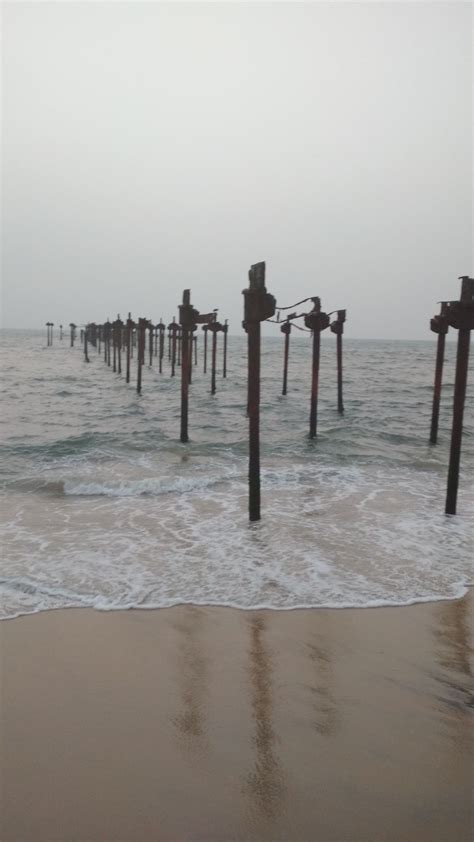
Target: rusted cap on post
259, 305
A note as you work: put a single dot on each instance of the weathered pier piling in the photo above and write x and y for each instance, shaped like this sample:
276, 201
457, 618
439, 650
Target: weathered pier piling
205, 329
173, 329
189, 318
439, 325
286, 330
85, 338
61, 331
215, 328
337, 327
317, 321
225, 330
141, 341
72, 327
259, 305
460, 315
161, 341
130, 324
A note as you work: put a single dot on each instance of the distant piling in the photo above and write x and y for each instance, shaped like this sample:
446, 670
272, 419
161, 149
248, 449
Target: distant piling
439, 325
460, 315
161, 340
316, 321
337, 327
205, 329
141, 341
128, 342
225, 330
286, 330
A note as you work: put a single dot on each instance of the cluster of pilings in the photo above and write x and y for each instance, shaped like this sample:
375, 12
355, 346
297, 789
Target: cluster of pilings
119, 339
315, 321
460, 316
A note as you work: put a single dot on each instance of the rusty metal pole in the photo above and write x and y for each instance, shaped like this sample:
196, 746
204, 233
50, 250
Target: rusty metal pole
86, 355
337, 327
129, 346
439, 325
118, 341
150, 345
286, 329
141, 341
315, 321
224, 364
161, 328
173, 329
213, 360
114, 346
460, 315
178, 348
190, 352
109, 339
258, 306
187, 322
205, 329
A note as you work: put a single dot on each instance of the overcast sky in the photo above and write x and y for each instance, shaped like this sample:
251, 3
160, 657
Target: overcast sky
149, 147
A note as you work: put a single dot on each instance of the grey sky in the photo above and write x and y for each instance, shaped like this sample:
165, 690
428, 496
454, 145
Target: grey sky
149, 147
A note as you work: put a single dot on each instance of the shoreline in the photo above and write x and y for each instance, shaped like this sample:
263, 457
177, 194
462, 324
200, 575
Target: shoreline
216, 723
422, 600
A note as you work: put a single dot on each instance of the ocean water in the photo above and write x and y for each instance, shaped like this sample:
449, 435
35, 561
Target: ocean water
101, 505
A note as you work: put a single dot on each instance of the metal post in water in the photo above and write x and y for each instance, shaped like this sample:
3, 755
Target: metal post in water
225, 329
258, 306
286, 329
129, 329
141, 341
214, 329
161, 329
150, 344
317, 322
73, 333
195, 341
460, 315
186, 318
86, 355
205, 329
173, 328
337, 327
439, 325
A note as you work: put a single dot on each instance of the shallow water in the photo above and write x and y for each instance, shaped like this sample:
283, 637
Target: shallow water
102, 506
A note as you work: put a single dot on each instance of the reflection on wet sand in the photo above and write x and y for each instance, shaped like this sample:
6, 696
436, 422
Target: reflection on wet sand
193, 668
327, 717
265, 785
453, 654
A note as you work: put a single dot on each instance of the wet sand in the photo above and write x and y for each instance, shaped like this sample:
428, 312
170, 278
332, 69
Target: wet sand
215, 724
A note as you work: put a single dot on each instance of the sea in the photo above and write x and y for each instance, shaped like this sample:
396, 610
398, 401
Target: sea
103, 507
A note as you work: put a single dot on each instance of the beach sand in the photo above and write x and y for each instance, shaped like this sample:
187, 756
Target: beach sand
197, 723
